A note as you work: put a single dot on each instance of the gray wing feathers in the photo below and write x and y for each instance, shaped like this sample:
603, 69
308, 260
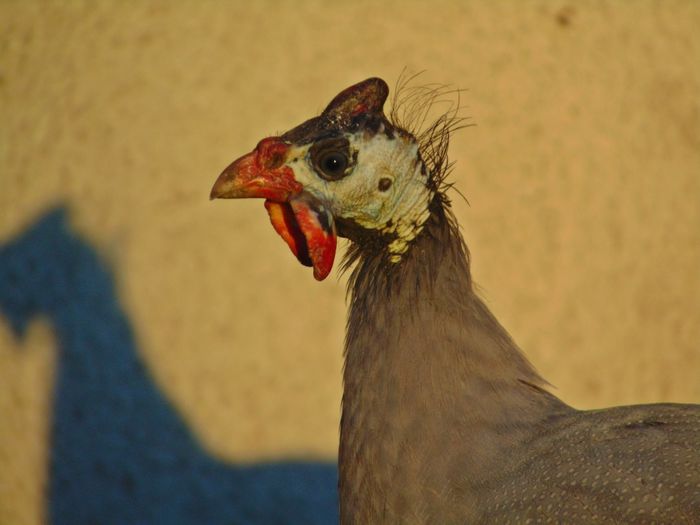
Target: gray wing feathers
638, 464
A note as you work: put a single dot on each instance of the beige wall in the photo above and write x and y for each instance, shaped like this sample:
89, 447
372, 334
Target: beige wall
583, 175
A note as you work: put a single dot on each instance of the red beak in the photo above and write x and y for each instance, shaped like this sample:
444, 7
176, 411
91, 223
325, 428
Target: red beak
301, 220
261, 173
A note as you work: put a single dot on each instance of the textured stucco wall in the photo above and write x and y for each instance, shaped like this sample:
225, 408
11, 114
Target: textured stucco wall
583, 177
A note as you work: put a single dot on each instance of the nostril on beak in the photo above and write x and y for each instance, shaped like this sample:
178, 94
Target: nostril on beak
274, 161
271, 152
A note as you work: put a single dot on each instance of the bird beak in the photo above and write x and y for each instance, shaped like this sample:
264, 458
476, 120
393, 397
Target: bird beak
261, 173
305, 224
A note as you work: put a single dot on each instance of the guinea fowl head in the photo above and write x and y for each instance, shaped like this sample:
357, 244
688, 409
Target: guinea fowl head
350, 171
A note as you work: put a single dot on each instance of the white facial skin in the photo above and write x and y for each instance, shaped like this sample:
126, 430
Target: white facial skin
398, 204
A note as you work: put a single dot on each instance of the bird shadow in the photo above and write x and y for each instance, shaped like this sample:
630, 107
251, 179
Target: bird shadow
120, 452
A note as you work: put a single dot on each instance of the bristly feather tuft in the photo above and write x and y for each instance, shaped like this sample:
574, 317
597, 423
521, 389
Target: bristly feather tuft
413, 109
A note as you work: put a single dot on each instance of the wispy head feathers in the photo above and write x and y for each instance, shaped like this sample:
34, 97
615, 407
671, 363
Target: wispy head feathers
431, 113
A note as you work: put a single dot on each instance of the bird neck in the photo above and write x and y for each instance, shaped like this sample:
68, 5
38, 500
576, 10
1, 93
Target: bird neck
429, 372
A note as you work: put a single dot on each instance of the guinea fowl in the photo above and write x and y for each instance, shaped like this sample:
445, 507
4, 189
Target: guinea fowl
443, 418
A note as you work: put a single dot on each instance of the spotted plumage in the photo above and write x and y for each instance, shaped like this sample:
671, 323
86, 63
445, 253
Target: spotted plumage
444, 420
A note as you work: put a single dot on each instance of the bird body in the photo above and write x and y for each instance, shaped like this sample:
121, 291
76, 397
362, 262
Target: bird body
444, 420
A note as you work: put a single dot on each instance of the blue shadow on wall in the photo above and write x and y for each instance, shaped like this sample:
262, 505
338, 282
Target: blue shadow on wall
120, 453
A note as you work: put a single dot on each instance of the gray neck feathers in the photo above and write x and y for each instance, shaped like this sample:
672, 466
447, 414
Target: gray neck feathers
427, 366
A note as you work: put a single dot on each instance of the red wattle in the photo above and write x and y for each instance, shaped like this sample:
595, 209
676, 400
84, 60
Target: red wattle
317, 225
309, 231
284, 223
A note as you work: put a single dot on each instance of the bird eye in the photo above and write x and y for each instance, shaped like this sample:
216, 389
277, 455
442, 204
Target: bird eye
333, 164
331, 158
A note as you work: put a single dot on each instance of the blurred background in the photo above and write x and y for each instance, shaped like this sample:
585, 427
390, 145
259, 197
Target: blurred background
165, 359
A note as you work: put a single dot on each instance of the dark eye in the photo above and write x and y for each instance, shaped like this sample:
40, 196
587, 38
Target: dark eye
331, 158
333, 164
